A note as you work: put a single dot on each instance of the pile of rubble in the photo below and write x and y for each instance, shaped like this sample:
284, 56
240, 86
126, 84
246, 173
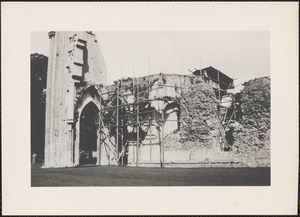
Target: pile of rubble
252, 135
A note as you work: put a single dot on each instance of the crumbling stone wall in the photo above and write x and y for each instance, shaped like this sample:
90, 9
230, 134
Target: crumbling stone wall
252, 135
200, 123
200, 136
200, 126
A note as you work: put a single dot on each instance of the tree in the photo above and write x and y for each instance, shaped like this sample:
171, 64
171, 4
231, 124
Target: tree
38, 70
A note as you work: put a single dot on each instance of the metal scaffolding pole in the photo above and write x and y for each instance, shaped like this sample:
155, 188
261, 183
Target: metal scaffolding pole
150, 124
162, 125
138, 127
133, 110
233, 102
218, 74
219, 86
150, 148
100, 133
117, 127
162, 139
122, 130
159, 137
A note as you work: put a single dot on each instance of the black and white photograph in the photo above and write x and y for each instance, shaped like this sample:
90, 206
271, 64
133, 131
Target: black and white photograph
149, 108
152, 105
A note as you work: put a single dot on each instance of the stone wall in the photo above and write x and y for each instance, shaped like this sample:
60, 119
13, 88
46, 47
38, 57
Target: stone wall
75, 60
200, 130
252, 135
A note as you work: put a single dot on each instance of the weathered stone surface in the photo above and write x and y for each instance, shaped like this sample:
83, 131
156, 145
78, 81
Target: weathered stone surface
200, 126
75, 59
252, 136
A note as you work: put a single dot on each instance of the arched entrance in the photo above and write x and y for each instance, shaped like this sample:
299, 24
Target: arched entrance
89, 127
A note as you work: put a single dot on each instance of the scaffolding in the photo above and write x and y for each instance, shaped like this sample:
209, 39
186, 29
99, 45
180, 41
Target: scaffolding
119, 114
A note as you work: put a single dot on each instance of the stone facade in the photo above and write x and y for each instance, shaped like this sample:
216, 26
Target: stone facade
75, 60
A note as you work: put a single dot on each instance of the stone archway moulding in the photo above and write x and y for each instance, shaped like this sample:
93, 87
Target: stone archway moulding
84, 100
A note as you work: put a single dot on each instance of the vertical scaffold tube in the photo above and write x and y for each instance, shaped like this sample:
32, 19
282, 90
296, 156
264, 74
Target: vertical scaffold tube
117, 127
138, 126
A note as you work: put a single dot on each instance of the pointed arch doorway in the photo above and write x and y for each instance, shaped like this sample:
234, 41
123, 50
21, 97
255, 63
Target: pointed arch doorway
89, 129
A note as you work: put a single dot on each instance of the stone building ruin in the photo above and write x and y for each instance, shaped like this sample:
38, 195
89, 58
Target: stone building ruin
75, 60
160, 120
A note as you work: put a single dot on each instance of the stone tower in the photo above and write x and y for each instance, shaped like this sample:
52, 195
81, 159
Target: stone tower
75, 61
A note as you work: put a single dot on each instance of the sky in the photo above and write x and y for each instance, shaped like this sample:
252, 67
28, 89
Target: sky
242, 55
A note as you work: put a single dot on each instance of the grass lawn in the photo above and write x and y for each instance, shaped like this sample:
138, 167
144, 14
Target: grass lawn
131, 176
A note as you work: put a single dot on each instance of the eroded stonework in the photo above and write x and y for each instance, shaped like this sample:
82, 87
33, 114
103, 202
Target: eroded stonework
75, 60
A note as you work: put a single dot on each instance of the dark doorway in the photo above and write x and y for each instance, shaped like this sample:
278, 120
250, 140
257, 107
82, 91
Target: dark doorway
89, 119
